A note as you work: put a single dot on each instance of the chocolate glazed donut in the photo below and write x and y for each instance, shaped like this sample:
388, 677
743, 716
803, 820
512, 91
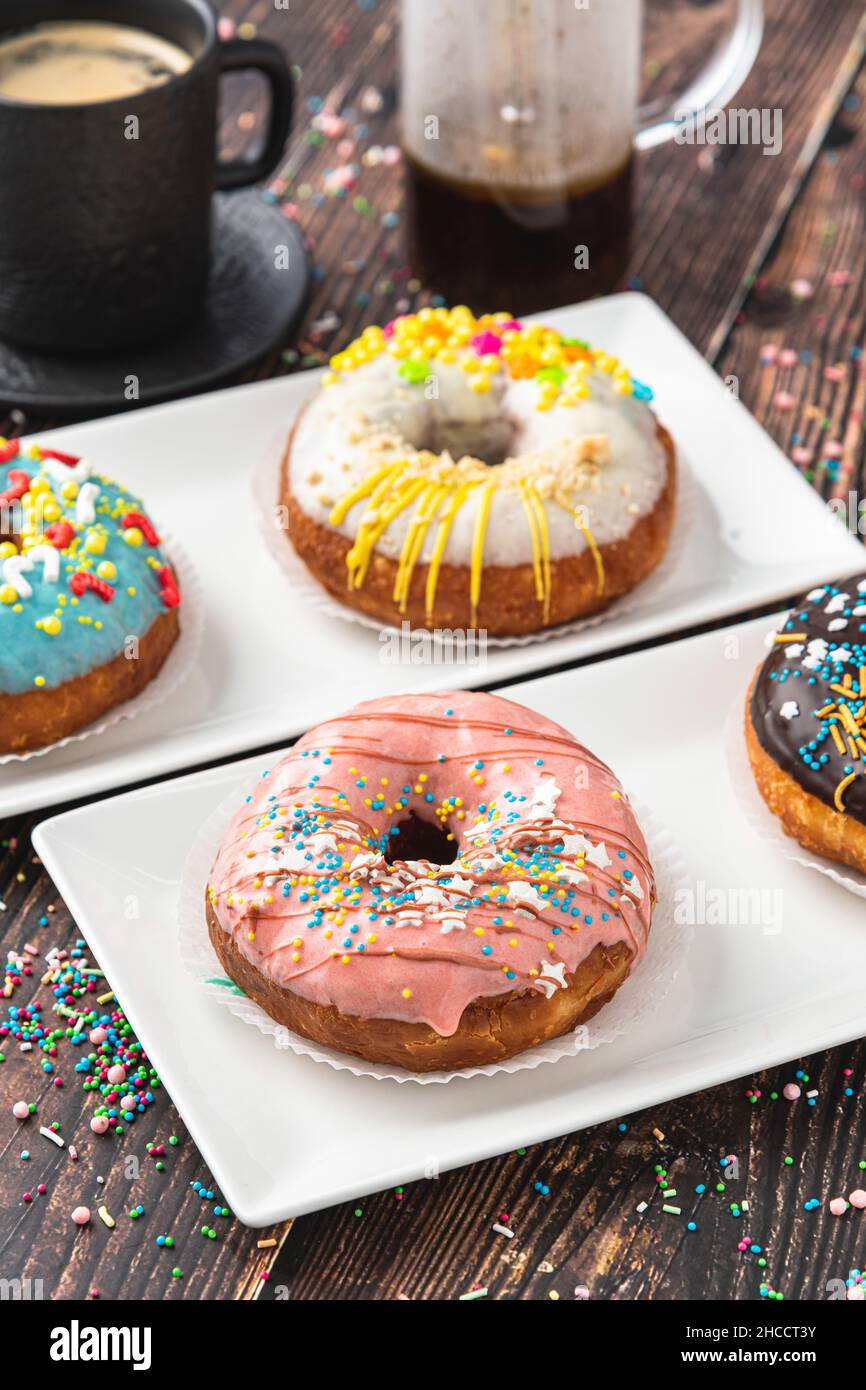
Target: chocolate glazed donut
806, 722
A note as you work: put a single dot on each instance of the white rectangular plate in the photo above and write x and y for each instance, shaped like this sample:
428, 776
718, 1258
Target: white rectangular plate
272, 665
275, 1128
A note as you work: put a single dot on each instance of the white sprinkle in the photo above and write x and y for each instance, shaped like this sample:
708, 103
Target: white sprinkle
26, 1047
503, 1230
810, 1094
50, 1134
641, 1207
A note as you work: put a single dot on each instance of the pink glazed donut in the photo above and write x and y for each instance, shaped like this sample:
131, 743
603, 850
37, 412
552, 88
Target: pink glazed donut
435, 881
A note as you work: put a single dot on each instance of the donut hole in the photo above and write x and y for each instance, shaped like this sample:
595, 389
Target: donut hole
420, 839
492, 440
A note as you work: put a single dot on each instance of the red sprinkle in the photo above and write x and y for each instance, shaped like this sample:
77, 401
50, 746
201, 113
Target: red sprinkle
10, 451
82, 580
69, 459
19, 483
170, 593
60, 533
140, 520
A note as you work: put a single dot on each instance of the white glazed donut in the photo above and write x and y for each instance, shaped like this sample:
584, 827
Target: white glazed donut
453, 466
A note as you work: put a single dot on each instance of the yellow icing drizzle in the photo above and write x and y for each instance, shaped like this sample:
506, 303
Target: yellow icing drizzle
477, 560
414, 541
459, 497
589, 537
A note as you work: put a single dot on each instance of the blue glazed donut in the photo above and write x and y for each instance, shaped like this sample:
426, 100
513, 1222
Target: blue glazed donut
88, 602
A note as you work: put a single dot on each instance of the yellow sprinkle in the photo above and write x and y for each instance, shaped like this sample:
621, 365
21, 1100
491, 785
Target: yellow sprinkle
840, 791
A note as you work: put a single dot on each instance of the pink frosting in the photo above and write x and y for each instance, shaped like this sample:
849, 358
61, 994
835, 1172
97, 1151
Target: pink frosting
549, 860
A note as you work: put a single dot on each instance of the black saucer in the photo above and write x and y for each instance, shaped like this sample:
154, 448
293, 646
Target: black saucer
251, 306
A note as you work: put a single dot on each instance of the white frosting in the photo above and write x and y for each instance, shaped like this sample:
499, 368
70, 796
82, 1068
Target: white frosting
334, 451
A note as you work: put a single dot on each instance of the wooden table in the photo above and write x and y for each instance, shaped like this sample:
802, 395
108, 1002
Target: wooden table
744, 251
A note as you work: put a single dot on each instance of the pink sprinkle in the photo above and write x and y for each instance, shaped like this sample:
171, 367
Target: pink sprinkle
21, 1110
97, 1035
783, 400
800, 454
791, 1091
99, 1124
833, 450
858, 1199
42, 1189
803, 289
581, 1292
788, 357
391, 154
345, 149
769, 353
226, 27
117, 1075
81, 1216
839, 277
486, 342
73, 1152
838, 1206
834, 373
855, 1293
28, 1196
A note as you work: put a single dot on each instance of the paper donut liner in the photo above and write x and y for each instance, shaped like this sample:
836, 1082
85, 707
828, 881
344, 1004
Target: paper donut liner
265, 484
175, 668
635, 1001
761, 819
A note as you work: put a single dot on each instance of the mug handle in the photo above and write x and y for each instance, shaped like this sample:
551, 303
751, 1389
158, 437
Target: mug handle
714, 86
268, 59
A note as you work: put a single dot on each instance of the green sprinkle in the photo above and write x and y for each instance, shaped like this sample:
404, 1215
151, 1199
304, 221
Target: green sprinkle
554, 374
674, 1211
416, 373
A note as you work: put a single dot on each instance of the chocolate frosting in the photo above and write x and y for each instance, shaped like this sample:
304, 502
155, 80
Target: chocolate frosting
808, 705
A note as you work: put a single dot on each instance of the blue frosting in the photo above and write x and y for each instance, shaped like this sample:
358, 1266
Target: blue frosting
27, 651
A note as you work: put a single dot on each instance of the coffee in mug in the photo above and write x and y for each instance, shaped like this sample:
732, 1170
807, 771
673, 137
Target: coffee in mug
108, 153
71, 62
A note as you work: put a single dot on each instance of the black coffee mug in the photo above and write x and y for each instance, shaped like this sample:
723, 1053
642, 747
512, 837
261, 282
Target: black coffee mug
105, 220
